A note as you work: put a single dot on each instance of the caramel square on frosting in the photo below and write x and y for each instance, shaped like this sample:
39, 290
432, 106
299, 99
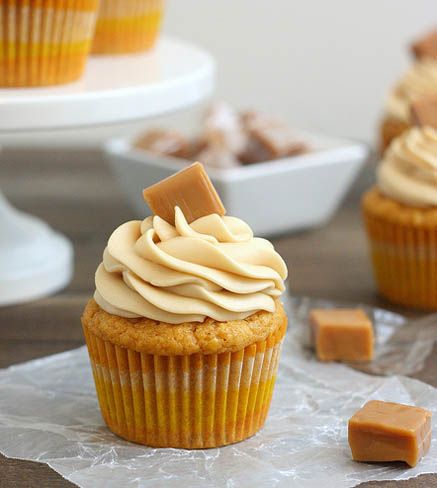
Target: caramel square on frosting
342, 334
424, 111
426, 47
190, 189
386, 431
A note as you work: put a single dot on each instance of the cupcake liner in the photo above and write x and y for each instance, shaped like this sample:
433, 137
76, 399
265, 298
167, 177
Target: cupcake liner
191, 401
44, 42
403, 249
126, 26
390, 129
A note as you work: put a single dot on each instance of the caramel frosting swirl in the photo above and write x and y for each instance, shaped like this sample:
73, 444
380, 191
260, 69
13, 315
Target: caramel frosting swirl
408, 172
213, 267
419, 81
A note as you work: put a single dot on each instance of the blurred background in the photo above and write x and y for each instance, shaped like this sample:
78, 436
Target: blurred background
324, 66
320, 65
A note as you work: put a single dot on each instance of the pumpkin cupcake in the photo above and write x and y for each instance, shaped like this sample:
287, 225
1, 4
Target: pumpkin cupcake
419, 82
400, 215
45, 42
185, 328
127, 26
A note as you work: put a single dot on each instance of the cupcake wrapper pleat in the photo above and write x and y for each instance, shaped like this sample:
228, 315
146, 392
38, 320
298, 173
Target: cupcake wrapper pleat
126, 26
404, 259
193, 401
44, 42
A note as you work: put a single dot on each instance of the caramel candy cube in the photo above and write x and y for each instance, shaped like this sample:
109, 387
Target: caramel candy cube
164, 143
386, 431
269, 139
279, 141
342, 334
426, 47
190, 189
424, 111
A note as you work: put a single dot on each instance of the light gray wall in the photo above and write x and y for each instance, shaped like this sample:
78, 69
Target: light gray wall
322, 64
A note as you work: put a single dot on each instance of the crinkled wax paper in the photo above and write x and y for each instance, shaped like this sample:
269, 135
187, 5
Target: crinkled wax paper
49, 413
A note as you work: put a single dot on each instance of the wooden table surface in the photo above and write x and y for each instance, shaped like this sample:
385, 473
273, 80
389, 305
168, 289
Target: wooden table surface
75, 193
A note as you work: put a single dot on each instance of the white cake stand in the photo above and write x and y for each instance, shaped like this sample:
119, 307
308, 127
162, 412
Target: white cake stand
35, 260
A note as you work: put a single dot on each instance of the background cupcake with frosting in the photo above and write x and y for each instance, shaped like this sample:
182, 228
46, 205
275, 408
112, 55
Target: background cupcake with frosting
186, 324
419, 82
400, 215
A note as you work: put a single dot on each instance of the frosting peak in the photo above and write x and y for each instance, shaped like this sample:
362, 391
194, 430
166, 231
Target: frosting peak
213, 267
408, 172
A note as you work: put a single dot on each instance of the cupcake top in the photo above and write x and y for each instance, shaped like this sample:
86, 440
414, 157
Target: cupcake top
178, 272
419, 81
408, 172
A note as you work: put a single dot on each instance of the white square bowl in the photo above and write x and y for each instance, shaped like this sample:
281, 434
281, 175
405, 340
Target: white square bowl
272, 197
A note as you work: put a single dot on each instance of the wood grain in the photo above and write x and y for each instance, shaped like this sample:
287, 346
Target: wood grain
76, 194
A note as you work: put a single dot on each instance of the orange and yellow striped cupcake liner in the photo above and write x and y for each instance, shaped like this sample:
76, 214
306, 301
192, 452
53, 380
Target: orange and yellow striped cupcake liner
193, 401
127, 26
44, 42
403, 248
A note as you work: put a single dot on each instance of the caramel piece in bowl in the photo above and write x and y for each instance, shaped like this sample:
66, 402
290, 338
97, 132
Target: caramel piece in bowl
190, 189
386, 431
164, 143
342, 334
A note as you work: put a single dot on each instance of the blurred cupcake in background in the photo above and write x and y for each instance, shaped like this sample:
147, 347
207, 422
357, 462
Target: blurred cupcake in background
417, 83
400, 215
45, 42
127, 26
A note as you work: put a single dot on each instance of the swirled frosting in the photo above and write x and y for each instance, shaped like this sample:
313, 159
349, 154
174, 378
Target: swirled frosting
213, 267
408, 172
419, 81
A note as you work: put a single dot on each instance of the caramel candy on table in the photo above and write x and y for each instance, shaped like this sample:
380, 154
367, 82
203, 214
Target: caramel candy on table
386, 431
190, 189
342, 334
427, 46
424, 111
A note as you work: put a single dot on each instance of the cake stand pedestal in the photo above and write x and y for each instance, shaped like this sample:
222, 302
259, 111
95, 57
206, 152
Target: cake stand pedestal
35, 260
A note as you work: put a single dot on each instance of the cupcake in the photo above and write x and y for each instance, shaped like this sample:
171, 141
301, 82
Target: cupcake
418, 82
127, 26
185, 327
45, 42
400, 216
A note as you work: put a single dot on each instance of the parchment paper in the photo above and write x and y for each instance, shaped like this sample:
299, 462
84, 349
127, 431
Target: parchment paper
49, 413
